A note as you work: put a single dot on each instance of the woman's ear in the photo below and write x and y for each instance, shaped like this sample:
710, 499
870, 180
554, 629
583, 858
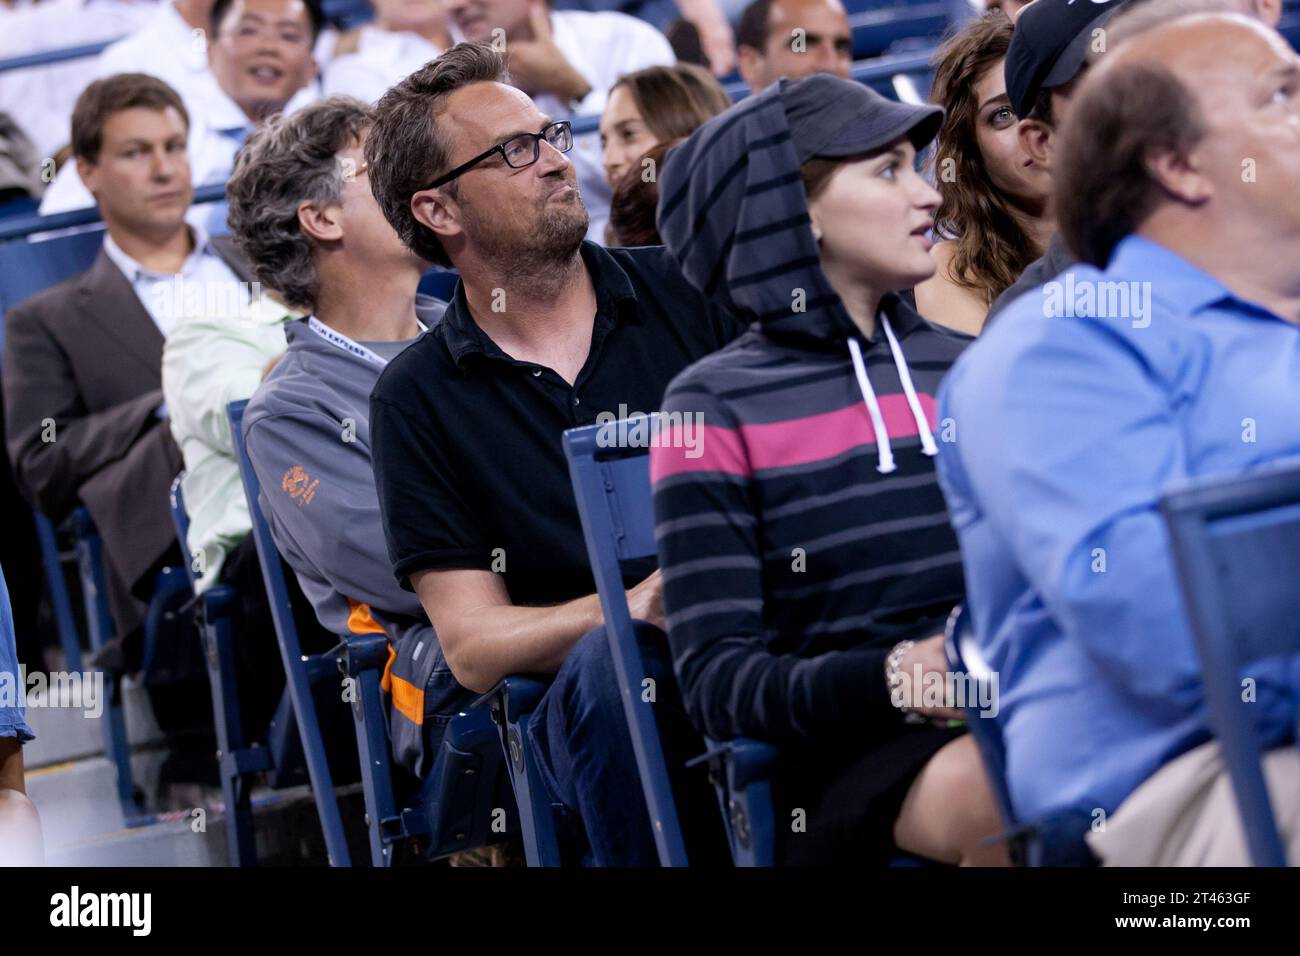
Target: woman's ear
320, 221
814, 224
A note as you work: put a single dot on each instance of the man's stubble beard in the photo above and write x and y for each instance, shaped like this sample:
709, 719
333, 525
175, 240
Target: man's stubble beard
534, 253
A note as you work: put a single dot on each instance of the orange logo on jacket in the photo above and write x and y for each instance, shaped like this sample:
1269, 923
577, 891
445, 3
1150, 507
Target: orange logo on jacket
298, 484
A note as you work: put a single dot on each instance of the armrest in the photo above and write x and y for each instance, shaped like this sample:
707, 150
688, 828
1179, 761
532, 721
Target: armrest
516, 695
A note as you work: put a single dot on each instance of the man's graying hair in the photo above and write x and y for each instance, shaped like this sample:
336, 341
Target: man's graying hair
285, 162
408, 148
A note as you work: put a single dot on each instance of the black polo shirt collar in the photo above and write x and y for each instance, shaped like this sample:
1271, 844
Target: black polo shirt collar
615, 301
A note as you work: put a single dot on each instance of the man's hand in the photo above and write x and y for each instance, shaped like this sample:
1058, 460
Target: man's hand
931, 657
646, 601
718, 43
537, 65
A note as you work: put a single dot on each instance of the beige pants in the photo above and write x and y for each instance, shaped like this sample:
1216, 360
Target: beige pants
1186, 814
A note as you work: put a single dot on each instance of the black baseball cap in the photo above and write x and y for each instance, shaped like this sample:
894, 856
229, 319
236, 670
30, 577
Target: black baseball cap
833, 117
1050, 46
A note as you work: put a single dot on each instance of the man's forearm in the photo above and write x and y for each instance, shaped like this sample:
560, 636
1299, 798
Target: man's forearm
500, 640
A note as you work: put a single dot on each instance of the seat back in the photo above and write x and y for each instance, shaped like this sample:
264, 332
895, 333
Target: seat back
27, 268
1236, 545
964, 657
295, 666
181, 519
612, 487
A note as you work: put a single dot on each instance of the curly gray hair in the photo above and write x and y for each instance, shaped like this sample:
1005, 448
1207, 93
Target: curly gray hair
406, 150
285, 162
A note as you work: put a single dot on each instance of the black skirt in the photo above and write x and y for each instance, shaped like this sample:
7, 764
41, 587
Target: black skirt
850, 802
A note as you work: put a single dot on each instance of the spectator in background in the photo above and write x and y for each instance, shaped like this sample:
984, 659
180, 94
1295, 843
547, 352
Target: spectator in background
20, 170
653, 105
260, 58
40, 99
567, 61
709, 20
1012, 8
1047, 56
302, 209
807, 559
405, 35
173, 46
20, 824
633, 210
1054, 43
793, 38
995, 218
646, 108
545, 332
85, 418
1073, 418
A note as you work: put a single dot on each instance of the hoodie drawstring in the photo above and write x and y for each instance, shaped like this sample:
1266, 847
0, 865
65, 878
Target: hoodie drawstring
905, 376
884, 451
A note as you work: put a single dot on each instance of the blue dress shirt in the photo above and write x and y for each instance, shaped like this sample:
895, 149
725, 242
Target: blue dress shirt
1070, 416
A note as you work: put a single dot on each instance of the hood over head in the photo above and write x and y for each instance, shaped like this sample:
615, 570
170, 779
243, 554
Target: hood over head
733, 212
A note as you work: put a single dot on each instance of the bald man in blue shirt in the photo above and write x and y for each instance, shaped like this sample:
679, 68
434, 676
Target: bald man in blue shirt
1171, 353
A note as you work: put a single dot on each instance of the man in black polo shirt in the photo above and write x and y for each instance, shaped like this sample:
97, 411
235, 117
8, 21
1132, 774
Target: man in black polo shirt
545, 333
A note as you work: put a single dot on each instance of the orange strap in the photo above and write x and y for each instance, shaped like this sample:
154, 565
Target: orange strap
407, 699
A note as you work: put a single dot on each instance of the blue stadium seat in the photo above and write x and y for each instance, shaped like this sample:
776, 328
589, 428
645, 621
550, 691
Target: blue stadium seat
612, 486
453, 807
1056, 840
237, 761
1236, 544
301, 671
510, 705
741, 771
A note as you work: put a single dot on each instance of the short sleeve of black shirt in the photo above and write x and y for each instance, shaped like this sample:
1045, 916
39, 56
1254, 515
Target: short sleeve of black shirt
467, 446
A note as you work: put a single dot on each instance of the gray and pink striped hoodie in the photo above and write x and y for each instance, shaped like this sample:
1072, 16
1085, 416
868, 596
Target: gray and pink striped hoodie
804, 533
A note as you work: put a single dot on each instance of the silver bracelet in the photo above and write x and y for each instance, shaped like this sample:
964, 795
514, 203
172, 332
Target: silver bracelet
893, 673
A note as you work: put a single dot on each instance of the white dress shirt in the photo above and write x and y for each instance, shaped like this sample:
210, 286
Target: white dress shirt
169, 48
40, 99
602, 47
383, 58
205, 287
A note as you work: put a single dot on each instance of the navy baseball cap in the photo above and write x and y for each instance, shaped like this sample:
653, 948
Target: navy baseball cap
832, 117
1050, 46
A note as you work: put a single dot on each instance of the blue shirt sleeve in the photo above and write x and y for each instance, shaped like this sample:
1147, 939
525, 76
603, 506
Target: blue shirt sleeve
13, 689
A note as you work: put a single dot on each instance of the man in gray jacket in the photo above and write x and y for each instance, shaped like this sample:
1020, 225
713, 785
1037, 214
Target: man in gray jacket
302, 210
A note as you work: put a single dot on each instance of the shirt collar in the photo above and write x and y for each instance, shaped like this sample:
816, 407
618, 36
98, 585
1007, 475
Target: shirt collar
1173, 279
134, 271
615, 300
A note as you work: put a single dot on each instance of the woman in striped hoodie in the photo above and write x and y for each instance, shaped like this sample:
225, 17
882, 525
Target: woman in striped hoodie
808, 563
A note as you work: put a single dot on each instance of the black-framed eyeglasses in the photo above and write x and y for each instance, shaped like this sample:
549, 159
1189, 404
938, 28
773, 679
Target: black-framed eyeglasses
519, 151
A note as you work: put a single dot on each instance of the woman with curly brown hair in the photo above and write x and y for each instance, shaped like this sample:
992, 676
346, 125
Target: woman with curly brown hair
995, 218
